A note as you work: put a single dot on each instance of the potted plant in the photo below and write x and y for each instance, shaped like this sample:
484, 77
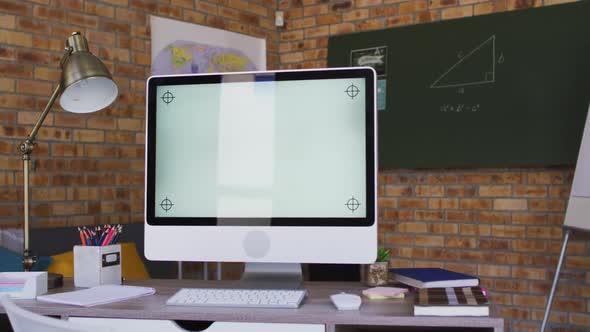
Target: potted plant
377, 274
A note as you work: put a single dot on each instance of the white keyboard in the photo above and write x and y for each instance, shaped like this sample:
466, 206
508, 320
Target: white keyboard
252, 298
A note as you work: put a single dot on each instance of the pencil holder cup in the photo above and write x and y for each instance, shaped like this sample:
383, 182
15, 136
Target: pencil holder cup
96, 265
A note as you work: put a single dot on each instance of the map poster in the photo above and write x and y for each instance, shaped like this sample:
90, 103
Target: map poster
187, 48
375, 57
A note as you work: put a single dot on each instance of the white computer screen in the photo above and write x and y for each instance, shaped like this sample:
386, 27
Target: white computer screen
261, 149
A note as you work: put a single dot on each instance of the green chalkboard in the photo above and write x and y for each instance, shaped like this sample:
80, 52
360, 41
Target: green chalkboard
501, 90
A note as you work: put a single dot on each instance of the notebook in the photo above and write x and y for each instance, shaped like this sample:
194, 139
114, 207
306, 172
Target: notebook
433, 278
466, 301
97, 295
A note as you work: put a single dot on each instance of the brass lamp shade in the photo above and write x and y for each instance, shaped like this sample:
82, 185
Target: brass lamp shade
87, 83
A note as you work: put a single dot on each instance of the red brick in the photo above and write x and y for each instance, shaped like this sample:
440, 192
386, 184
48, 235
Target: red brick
475, 204
51, 14
30, 25
475, 178
457, 12
33, 87
168, 10
529, 273
16, 70
413, 203
82, 20
507, 178
529, 300
483, 230
412, 227
385, 11
581, 319
489, 270
370, 25
513, 286
494, 217
460, 191
460, 242
423, 264
511, 204
460, 216
546, 178
522, 4
429, 190
341, 28
120, 137
493, 244
556, 205
386, 202
530, 191
544, 232
490, 7
577, 262
443, 228
429, 241
399, 239
508, 231
84, 135
495, 190
513, 313
529, 245
76, 5
560, 191
442, 3
399, 20
366, 3
7, 85
412, 6
443, 254
397, 190
443, 203
425, 215
14, 7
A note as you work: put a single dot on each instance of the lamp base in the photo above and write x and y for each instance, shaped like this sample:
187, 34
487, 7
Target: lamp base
29, 260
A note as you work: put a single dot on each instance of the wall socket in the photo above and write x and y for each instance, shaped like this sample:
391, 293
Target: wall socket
279, 18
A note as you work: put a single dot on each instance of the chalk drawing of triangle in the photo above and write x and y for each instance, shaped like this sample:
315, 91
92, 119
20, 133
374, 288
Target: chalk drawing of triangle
475, 68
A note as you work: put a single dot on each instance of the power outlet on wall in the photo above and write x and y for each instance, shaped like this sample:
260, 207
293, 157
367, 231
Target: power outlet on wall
279, 18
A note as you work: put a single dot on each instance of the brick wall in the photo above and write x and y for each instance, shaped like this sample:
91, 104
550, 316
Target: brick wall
501, 224
89, 168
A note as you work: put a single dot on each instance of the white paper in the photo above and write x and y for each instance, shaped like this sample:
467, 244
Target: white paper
98, 295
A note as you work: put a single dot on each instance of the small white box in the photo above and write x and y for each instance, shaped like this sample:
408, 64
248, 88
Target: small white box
35, 284
96, 265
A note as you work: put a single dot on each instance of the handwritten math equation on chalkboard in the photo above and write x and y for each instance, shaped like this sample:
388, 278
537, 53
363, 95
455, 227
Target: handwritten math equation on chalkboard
476, 67
458, 108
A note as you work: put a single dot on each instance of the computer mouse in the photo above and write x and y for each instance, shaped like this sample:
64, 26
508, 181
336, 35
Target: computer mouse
346, 301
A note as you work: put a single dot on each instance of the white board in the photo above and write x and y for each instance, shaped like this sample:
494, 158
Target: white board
578, 210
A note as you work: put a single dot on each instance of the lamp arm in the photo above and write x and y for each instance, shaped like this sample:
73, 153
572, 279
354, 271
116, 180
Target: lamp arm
26, 148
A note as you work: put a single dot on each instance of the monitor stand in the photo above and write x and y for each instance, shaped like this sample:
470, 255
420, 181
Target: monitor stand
271, 276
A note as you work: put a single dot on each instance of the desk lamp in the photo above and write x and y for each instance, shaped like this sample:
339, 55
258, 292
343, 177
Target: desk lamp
85, 86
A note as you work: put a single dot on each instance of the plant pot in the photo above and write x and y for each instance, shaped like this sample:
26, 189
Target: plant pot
377, 274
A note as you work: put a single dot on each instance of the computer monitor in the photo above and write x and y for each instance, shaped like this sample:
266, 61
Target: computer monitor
263, 167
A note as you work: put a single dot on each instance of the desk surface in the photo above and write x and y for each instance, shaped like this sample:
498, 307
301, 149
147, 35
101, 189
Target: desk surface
316, 308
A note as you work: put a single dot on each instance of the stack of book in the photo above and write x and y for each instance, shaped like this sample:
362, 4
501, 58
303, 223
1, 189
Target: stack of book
444, 293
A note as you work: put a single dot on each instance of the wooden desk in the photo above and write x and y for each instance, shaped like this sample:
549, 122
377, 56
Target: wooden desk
374, 315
